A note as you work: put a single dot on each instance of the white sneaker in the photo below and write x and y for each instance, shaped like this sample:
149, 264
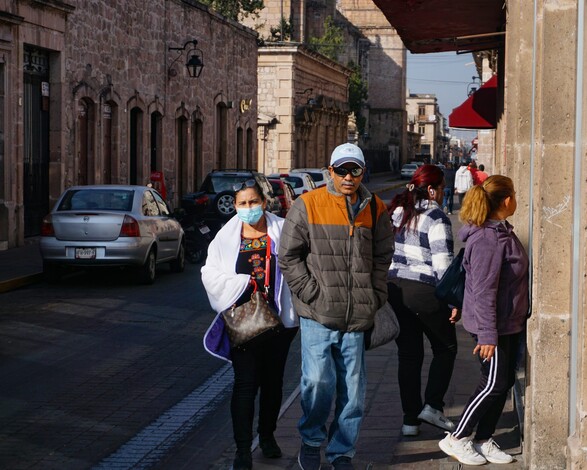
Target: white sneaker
410, 430
462, 450
491, 451
436, 418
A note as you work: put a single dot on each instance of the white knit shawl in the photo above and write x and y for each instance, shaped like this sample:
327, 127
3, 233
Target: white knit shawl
224, 286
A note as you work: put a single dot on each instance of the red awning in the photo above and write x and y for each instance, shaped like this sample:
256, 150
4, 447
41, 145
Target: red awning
478, 111
447, 25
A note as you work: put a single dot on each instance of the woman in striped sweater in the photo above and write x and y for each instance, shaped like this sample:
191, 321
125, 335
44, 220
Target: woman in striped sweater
423, 251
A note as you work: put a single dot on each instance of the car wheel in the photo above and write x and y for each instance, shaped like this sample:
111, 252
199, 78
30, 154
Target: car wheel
224, 204
178, 264
196, 256
147, 270
52, 272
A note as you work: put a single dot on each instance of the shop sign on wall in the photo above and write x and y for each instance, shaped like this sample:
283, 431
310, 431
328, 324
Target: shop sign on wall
245, 105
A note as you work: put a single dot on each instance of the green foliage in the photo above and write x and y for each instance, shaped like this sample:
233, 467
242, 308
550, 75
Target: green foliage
358, 93
331, 44
236, 9
284, 27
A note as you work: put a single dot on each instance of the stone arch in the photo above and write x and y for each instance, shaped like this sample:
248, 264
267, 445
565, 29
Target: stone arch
85, 141
156, 106
109, 135
85, 133
197, 146
221, 145
183, 163
156, 135
134, 162
250, 144
85, 89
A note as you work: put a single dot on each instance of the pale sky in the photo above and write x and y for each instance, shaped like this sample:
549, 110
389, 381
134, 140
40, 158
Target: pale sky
445, 74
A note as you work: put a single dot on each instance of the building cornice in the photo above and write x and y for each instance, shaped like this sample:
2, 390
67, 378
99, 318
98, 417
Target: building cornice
10, 18
220, 18
56, 4
302, 49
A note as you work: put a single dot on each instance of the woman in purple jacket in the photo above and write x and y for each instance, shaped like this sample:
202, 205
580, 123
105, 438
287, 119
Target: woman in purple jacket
495, 309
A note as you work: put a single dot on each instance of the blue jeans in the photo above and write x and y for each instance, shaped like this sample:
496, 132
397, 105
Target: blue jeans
448, 198
333, 364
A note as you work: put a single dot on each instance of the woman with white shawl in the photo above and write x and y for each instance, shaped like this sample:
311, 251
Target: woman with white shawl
235, 262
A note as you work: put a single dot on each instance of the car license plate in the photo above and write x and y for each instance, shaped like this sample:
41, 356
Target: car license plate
85, 253
204, 229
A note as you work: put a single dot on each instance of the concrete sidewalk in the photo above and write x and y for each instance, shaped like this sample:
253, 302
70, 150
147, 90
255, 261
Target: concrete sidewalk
381, 445
20, 266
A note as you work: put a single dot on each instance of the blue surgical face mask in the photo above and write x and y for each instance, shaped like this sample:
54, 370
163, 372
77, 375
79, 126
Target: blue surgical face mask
250, 216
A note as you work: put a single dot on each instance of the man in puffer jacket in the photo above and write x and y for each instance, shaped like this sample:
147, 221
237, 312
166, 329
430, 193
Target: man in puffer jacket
337, 274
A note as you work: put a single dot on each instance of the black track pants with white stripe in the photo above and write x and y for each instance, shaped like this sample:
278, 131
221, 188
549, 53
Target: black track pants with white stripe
486, 404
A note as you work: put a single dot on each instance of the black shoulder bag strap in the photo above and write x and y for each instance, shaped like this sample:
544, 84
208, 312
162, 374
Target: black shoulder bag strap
373, 205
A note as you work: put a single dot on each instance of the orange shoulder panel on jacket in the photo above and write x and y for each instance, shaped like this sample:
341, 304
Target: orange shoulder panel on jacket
365, 218
324, 208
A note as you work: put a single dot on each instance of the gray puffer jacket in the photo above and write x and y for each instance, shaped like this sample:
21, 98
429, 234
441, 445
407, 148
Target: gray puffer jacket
336, 272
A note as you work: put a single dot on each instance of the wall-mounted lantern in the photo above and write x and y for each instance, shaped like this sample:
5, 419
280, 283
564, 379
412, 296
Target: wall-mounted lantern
195, 59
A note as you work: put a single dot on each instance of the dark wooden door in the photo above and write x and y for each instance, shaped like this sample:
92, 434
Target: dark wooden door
36, 142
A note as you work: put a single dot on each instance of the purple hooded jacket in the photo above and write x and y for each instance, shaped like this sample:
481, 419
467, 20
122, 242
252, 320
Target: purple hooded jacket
496, 286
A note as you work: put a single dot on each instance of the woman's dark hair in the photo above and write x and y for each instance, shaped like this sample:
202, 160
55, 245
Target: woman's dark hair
416, 191
249, 184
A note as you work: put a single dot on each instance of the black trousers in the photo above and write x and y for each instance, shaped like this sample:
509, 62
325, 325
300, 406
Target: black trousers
420, 313
259, 368
497, 377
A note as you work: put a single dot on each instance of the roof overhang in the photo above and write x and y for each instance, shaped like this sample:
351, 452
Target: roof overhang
447, 25
478, 111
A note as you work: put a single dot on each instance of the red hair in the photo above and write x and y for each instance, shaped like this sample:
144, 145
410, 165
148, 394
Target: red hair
416, 190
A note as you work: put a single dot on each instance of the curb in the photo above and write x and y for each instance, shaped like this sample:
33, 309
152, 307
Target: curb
12, 284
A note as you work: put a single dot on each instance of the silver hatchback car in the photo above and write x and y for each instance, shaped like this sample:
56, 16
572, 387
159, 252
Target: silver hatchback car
111, 225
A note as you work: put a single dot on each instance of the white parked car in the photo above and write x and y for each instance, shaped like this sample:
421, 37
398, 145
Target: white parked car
408, 170
319, 175
300, 182
111, 225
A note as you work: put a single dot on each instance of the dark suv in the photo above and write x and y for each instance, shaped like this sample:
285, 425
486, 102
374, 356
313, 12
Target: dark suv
218, 186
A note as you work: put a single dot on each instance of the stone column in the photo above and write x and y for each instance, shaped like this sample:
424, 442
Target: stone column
539, 156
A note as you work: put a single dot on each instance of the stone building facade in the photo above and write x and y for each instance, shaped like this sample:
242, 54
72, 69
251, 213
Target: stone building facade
91, 93
541, 144
303, 107
382, 58
371, 44
422, 110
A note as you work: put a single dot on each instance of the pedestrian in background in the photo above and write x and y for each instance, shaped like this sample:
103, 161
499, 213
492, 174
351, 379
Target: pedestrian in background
236, 262
472, 167
423, 251
481, 175
495, 310
463, 182
449, 188
335, 262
